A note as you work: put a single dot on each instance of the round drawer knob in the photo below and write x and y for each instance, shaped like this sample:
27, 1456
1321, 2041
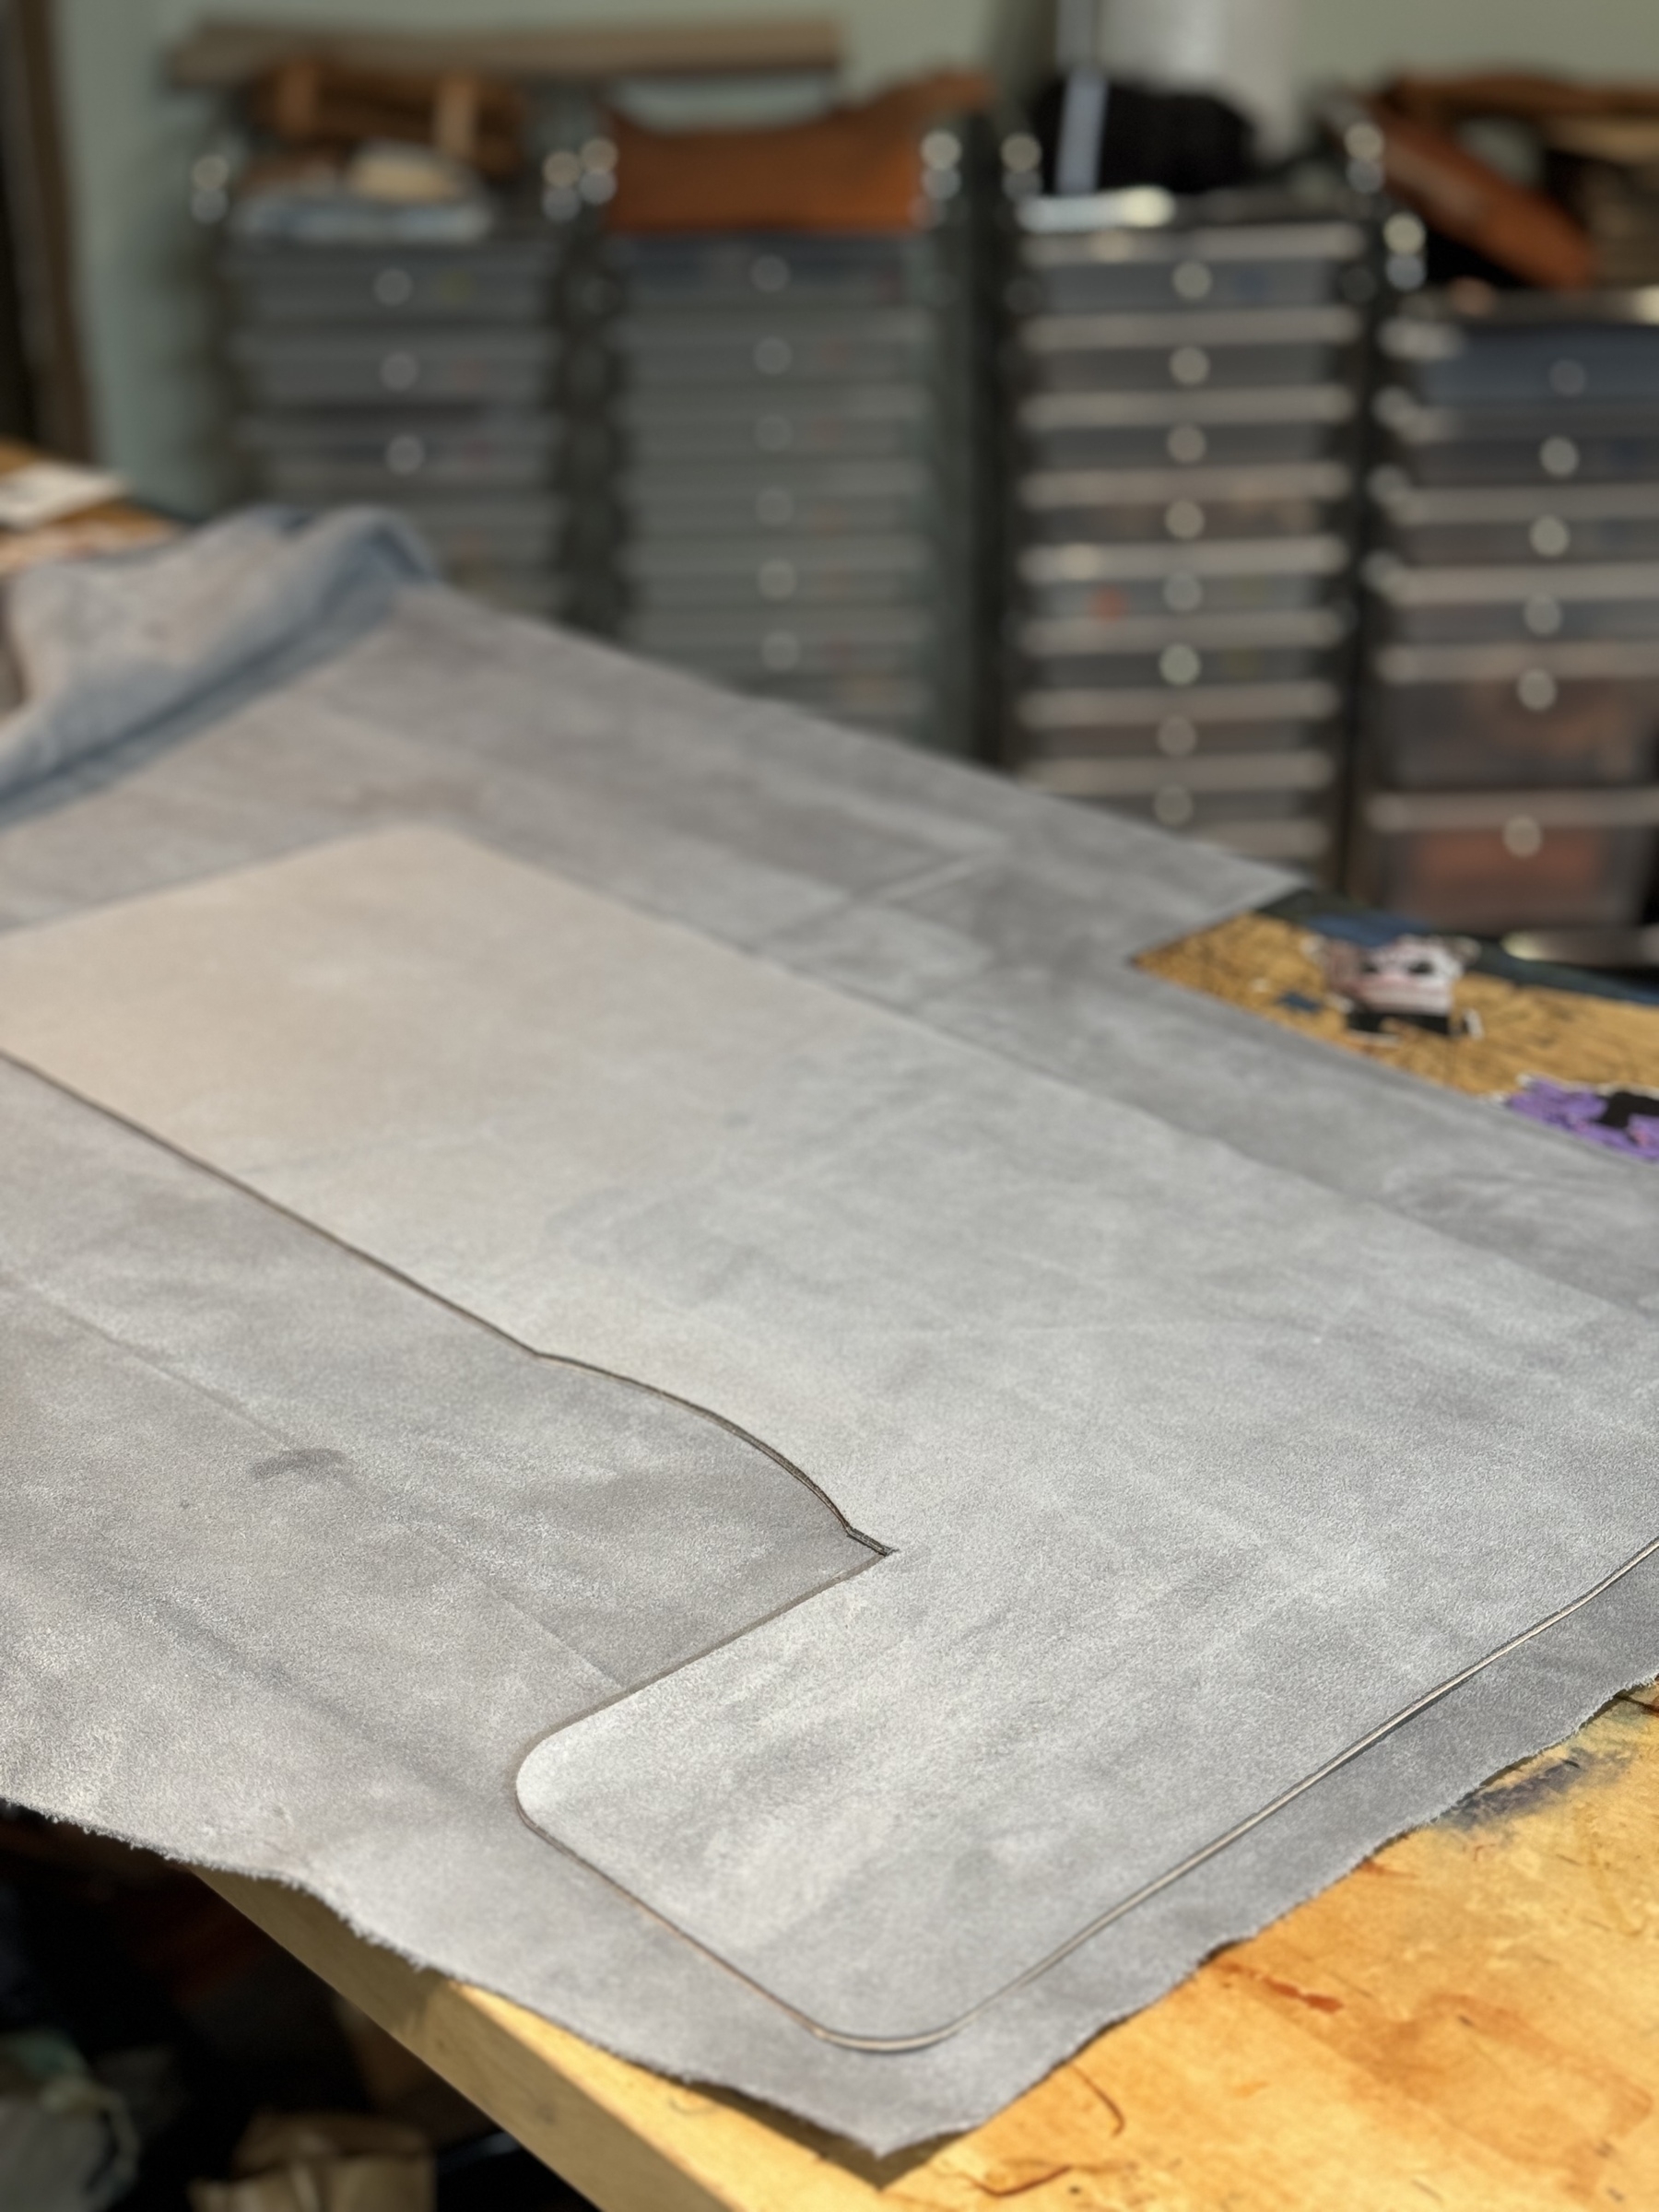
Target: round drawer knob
1192, 280
780, 651
393, 288
1190, 365
400, 372
1179, 665
774, 357
1187, 443
1549, 538
405, 456
1537, 690
1184, 519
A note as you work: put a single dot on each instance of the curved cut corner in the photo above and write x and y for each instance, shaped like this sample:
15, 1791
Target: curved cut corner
537, 1794
532, 1791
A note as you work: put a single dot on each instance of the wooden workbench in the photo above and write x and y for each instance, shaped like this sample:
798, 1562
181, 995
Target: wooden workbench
1470, 2020
113, 525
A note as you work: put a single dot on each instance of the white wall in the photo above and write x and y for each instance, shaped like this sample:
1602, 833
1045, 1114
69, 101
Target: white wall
884, 37
147, 309
1582, 38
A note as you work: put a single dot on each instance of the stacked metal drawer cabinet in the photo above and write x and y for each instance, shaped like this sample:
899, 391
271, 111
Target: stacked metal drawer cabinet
798, 456
422, 375
1189, 397
1511, 757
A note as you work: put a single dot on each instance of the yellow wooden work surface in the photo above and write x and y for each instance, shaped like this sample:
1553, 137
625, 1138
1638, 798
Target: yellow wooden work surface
113, 525
1470, 2020
1269, 966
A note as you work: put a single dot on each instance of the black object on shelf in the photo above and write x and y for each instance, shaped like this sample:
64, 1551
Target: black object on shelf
1099, 133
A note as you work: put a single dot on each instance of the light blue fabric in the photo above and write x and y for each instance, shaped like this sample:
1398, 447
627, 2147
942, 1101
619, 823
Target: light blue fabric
1403, 1303
107, 648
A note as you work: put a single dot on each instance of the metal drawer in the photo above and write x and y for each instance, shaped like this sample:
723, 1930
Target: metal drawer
1111, 582
1549, 524
868, 423
666, 352
1184, 653
809, 642
1584, 600
1448, 716
1520, 445
785, 497
745, 271
1282, 780
1257, 426
1242, 266
362, 454
500, 367
1223, 351
1473, 363
737, 573
496, 282
1500, 861
1182, 506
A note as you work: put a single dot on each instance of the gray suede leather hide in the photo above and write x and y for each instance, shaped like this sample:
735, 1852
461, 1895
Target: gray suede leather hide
633, 1349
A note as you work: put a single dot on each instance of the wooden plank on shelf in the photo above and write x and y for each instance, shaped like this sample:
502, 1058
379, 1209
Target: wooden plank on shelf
220, 55
1469, 2019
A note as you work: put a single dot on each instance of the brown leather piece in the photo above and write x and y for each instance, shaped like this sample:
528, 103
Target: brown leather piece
316, 103
1444, 102
856, 169
1467, 199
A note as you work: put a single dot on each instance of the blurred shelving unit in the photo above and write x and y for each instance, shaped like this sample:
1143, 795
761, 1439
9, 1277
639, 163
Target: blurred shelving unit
404, 228
798, 409
422, 376
1188, 380
1511, 760
392, 313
